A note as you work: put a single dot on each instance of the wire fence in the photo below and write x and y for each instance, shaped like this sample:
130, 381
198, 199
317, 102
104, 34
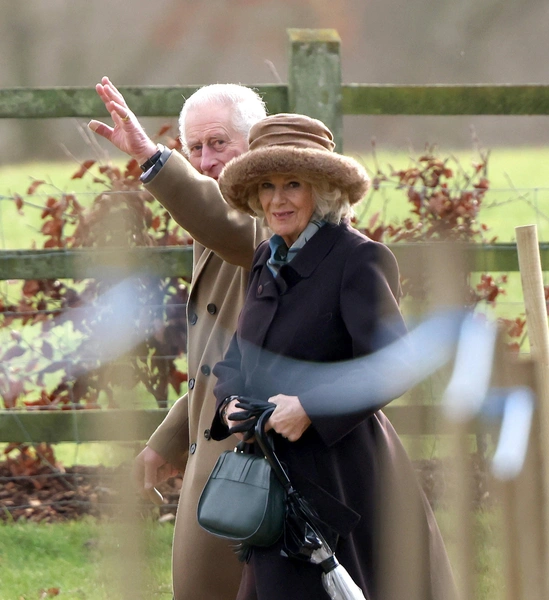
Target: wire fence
49, 362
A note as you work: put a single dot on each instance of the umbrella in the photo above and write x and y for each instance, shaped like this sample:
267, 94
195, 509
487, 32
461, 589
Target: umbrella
302, 528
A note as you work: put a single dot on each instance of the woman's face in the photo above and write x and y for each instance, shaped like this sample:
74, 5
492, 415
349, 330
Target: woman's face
288, 204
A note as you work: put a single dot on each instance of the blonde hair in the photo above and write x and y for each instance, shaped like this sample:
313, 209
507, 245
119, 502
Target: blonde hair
331, 203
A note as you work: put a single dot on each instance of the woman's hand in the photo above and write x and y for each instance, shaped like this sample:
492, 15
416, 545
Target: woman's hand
289, 419
127, 134
228, 410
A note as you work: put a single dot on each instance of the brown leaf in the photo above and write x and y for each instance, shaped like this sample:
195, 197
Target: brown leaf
133, 169
14, 390
84, 168
30, 366
59, 365
155, 223
373, 220
34, 186
176, 379
53, 227
31, 287
483, 184
13, 352
47, 350
163, 130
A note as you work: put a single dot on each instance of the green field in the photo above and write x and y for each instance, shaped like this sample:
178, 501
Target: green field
85, 560
518, 195
20, 230
93, 560
519, 191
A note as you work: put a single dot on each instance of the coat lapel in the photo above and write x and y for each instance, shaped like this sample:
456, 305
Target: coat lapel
202, 256
309, 257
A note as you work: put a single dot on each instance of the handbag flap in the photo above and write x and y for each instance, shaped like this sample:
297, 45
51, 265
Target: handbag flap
242, 500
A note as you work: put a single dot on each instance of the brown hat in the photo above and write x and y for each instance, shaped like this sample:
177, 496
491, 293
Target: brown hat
290, 144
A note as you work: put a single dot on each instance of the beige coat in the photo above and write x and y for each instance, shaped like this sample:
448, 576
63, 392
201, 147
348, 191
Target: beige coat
203, 565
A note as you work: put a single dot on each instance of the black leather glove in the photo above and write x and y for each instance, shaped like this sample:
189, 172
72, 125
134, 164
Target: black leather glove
250, 410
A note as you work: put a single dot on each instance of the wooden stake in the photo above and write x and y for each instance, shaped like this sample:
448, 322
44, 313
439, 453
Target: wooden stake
538, 334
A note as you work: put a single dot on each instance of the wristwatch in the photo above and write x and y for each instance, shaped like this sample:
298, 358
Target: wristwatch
153, 165
150, 162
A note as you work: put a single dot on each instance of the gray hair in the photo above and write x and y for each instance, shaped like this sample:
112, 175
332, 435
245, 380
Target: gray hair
248, 106
331, 203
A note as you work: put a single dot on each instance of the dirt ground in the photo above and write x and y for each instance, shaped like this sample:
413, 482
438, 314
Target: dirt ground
77, 491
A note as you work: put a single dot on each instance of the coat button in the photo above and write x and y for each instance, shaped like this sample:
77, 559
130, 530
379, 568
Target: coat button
260, 289
205, 370
207, 434
193, 318
191, 384
192, 449
211, 308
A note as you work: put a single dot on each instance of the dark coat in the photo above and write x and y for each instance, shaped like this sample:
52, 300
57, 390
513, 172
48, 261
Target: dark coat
335, 301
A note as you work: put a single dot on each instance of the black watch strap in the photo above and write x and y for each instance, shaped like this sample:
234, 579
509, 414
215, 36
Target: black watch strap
153, 171
150, 162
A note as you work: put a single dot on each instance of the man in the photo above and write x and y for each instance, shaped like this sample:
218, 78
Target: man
214, 126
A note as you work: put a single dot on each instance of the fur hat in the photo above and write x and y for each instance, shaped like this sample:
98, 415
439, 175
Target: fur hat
290, 144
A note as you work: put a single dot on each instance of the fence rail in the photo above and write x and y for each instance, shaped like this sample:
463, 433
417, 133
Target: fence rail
357, 99
102, 425
176, 261
82, 426
314, 87
153, 101
84, 263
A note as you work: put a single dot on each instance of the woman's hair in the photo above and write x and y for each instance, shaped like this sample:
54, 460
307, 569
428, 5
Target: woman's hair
331, 204
248, 106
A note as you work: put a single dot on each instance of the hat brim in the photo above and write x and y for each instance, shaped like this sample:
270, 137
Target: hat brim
244, 172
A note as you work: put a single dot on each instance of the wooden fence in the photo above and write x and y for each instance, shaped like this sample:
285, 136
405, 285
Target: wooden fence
314, 87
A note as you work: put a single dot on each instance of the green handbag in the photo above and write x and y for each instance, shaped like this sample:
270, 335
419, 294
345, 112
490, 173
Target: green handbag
243, 500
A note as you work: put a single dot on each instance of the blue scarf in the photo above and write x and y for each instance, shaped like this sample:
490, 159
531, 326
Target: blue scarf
281, 254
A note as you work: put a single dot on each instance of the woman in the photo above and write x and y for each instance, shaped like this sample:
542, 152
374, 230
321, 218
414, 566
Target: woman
322, 292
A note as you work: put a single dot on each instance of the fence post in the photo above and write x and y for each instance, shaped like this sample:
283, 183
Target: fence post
531, 275
314, 77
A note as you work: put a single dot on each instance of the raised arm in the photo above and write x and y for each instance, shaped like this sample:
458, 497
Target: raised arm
196, 203
127, 134
193, 200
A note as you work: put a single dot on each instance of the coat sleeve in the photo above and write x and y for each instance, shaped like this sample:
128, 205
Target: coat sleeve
369, 307
229, 383
171, 437
196, 203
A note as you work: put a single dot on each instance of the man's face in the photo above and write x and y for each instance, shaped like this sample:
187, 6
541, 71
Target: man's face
212, 139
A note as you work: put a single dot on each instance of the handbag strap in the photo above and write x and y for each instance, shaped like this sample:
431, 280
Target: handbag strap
265, 443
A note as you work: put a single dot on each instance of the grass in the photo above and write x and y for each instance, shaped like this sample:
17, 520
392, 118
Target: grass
489, 579
19, 231
82, 560
109, 454
87, 560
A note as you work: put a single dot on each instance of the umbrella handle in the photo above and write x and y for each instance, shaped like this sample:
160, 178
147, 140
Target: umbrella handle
267, 448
